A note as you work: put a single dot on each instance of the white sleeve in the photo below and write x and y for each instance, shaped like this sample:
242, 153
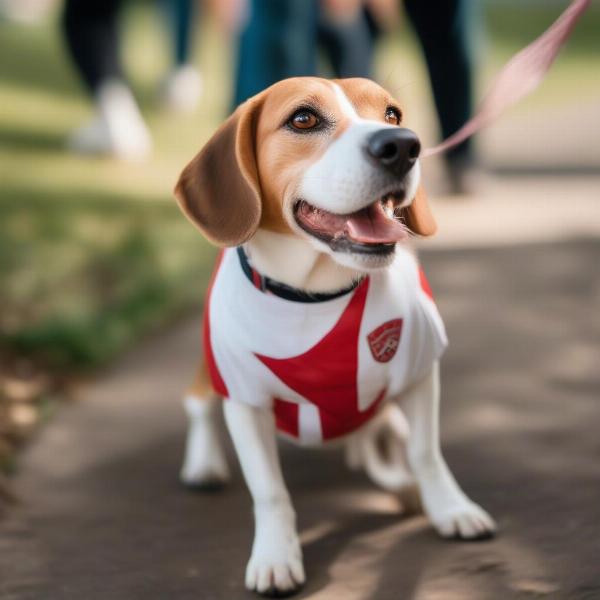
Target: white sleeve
430, 340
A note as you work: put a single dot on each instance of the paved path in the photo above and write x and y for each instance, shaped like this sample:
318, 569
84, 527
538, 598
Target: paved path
103, 516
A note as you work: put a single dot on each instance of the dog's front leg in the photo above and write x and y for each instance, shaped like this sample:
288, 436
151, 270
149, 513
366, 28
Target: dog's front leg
275, 566
452, 513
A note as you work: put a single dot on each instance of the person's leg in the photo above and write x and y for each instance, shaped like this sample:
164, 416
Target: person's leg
92, 36
183, 85
91, 33
348, 44
277, 42
181, 18
444, 34
183, 22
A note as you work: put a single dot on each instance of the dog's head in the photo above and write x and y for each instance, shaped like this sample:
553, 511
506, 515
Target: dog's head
329, 161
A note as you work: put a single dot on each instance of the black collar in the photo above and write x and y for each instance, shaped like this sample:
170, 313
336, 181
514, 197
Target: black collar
265, 284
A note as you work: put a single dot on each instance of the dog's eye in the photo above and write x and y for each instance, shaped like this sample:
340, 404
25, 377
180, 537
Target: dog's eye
304, 119
392, 115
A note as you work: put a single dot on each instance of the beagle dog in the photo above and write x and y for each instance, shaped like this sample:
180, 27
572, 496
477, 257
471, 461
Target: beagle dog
319, 323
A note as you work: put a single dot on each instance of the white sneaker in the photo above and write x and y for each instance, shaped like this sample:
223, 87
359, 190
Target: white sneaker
183, 89
118, 128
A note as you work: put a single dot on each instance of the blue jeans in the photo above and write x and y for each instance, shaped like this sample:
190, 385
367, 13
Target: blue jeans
280, 40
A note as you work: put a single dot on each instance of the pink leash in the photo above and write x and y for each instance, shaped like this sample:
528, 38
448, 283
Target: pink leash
520, 76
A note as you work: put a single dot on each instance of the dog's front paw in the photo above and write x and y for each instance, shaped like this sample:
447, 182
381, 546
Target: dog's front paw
275, 568
464, 520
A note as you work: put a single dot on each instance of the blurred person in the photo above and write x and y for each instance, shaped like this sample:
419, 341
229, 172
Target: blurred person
445, 36
280, 40
183, 85
93, 40
344, 33
281, 36
92, 33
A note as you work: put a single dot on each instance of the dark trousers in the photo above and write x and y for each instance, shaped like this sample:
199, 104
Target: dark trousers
182, 18
92, 36
91, 30
444, 34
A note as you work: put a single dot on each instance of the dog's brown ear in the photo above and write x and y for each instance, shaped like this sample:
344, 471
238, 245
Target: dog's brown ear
219, 189
418, 216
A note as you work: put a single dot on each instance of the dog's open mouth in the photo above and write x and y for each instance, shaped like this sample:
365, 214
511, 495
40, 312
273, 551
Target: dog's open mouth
374, 229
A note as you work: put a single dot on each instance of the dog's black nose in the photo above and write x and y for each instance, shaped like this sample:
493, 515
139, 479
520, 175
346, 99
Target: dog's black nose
395, 149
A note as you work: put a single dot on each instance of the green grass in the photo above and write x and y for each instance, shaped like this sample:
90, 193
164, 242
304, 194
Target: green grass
94, 252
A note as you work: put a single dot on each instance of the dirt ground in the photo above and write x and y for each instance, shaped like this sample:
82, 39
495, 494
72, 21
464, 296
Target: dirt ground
102, 515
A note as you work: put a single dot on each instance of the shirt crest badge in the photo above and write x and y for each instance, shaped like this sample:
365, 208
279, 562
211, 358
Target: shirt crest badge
384, 340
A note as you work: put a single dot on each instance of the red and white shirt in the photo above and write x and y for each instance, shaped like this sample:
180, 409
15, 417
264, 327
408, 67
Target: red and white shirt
325, 368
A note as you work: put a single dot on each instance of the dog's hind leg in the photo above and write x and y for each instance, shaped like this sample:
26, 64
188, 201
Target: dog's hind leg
380, 449
204, 465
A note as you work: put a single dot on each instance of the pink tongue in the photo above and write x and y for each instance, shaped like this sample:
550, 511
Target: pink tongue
372, 226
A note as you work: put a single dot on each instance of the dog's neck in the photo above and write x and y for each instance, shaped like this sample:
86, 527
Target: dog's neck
293, 261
